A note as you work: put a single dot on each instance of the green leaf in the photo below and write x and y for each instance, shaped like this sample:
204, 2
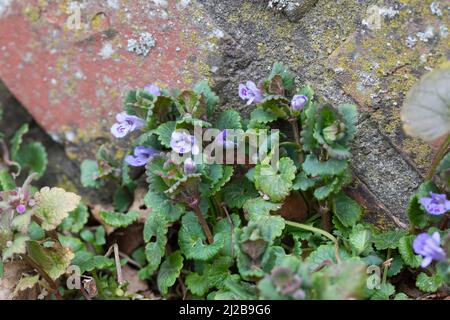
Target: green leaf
325, 252
18, 246
429, 283
384, 293
118, 219
22, 222
162, 205
191, 240
25, 283
313, 167
169, 271
349, 114
389, 239
443, 168
277, 184
426, 109
33, 156
308, 122
90, 174
237, 192
164, 132
302, 182
16, 140
76, 219
35, 231
324, 191
360, 239
258, 211
401, 296
54, 260
211, 98
95, 263
155, 230
259, 115
53, 206
225, 177
416, 214
287, 77
346, 209
6, 180
229, 119
406, 251
122, 199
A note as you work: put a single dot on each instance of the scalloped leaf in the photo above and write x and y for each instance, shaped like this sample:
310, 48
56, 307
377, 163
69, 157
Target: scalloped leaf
155, 230
429, 283
53, 206
276, 184
426, 109
161, 204
313, 167
76, 219
118, 219
346, 209
191, 239
90, 174
388, 239
54, 260
169, 271
258, 211
25, 283
229, 119
164, 132
17, 139
405, 248
33, 157
237, 192
18, 246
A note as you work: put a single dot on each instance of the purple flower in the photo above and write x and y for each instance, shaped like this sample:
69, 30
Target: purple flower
182, 142
222, 140
189, 166
250, 92
153, 89
141, 156
125, 124
21, 208
299, 101
436, 205
429, 248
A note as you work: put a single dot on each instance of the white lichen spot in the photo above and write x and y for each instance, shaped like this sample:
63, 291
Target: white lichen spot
183, 4
218, 33
426, 35
443, 31
107, 51
388, 12
161, 3
434, 7
4, 5
113, 4
142, 46
411, 41
70, 136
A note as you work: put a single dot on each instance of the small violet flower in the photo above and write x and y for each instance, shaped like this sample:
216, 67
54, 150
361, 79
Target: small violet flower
182, 142
141, 156
189, 166
153, 89
250, 92
299, 101
126, 124
436, 205
429, 248
222, 140
21, 208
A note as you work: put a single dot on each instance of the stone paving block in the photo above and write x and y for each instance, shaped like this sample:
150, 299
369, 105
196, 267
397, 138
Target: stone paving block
72, 80
378, 64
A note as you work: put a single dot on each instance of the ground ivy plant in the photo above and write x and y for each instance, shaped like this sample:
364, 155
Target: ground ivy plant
257, 229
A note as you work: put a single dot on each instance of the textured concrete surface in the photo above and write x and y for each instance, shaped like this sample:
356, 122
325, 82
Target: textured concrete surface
333, 47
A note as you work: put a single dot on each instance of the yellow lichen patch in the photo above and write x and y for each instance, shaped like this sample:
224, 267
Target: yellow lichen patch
32, 13
420, 151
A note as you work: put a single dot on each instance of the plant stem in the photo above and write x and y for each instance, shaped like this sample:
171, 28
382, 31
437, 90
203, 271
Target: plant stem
324, 211
318, 231
438, 157
386, 267
296, 132
203, 222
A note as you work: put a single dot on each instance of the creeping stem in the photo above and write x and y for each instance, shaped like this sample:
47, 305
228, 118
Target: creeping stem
318, 231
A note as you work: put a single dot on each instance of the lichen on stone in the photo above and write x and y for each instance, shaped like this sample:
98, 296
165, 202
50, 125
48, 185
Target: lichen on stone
143, 45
